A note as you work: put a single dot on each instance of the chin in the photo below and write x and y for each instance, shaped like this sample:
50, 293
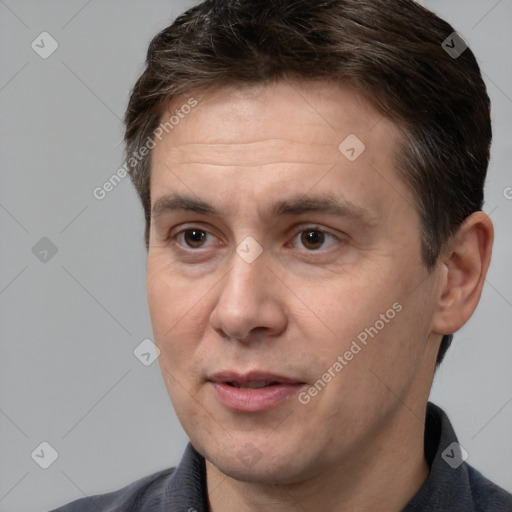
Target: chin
262, 473
266, 467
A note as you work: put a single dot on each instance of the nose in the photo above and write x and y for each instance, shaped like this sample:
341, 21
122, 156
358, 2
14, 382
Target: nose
250, 303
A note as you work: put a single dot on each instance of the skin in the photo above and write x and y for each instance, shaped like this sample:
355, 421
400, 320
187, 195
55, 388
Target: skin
357, 444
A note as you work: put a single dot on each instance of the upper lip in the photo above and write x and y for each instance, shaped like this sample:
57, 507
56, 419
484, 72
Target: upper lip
251, 377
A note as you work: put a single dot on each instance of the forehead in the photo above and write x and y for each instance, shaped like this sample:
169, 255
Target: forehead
316, 112
255, 140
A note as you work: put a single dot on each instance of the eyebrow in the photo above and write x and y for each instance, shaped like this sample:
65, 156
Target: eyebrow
296, 205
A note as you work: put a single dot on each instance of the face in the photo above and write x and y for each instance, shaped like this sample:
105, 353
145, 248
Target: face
285, 282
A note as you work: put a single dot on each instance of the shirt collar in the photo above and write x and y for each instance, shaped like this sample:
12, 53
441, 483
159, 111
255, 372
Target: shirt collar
187, 485
447, 486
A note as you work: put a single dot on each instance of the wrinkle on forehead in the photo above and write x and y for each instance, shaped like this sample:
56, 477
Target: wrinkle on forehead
254, 153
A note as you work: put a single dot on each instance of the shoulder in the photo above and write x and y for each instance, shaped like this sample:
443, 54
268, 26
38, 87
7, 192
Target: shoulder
148, 493
486, 495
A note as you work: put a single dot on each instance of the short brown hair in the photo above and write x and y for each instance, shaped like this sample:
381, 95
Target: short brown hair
389, 50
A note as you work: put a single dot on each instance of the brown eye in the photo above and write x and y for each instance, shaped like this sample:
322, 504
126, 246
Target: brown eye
194, 238
312, 239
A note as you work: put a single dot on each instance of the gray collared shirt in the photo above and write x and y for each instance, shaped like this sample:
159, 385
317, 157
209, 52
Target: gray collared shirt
452, 485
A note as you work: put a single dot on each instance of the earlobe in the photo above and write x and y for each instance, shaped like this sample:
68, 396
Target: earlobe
465, 261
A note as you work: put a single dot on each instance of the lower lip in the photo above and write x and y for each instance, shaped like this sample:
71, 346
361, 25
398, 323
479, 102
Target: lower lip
254, 400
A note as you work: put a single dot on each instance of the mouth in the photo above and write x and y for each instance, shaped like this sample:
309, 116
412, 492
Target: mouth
252, 385
252, 380
253, 391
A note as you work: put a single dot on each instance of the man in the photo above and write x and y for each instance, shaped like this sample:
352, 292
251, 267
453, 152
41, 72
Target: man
312, 179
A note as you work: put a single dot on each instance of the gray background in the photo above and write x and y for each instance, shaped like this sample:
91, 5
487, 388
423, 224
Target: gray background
68, 374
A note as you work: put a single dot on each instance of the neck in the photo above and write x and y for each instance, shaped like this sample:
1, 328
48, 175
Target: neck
384, 475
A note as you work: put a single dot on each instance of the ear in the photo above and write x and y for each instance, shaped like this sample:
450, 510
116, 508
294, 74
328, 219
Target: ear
463, 265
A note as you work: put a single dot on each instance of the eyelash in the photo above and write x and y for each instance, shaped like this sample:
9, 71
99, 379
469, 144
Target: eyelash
300, 229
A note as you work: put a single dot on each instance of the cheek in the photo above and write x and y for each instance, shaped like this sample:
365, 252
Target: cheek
179, 313
169, 295
349, 306
169, 307
162, 303
375, 320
